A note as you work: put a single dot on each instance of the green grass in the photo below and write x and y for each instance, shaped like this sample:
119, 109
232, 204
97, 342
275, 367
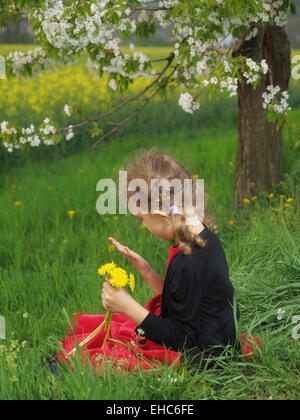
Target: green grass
48, 264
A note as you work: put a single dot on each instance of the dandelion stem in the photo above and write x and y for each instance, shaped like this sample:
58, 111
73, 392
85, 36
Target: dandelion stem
85, 341
109, 319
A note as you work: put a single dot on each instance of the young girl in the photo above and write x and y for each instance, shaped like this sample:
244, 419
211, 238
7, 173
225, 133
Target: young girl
192, 313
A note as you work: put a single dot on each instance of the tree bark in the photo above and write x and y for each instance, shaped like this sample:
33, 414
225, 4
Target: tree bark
260, 152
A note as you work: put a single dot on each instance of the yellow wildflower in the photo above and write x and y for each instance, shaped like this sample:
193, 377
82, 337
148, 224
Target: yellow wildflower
131, 281
106, 268
231, 222
17, 203
71, 213
254, 197
116, 217
111, 248
246, 200
118, 277
195, 176
254, 218
271, 195
289, 205
230, 163
289, 200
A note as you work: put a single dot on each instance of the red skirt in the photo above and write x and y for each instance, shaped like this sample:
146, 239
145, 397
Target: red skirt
131, 352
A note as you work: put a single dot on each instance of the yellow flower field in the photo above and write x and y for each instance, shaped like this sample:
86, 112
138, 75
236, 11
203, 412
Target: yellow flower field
46, 95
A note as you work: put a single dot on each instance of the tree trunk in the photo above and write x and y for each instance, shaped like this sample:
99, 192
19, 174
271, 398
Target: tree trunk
260, 152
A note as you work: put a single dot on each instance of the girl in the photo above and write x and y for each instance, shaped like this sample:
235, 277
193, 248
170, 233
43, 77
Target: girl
192, 313
196, 294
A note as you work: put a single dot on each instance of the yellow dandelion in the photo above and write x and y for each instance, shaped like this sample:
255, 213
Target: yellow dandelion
230, 163
131, 282
17, 203
254, 218
231, 222
254, 197
289, 200
289, 205
116, 217
246, 200
118, 277
71, 213
271, 195
195, 176
107, 268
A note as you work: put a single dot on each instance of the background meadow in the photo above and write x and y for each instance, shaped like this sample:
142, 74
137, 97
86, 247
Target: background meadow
53, 241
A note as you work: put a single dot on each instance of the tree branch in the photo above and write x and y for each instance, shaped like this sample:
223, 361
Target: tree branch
126, 101
137, 111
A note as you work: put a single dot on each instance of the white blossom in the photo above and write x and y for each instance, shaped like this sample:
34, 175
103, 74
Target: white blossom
295, 333
198, 35
112, 84
276, 100
187, 103
68, 110
280, 314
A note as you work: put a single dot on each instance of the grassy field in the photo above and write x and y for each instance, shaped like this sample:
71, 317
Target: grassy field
49, 262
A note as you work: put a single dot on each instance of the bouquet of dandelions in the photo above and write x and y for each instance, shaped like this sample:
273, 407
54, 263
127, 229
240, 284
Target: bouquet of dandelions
117, 277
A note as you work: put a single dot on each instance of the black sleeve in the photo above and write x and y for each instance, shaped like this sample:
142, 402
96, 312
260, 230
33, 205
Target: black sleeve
183, 292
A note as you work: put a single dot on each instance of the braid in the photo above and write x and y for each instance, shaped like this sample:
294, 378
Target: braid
184, 235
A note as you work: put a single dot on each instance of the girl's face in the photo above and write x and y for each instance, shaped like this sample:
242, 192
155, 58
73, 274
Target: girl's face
159, 225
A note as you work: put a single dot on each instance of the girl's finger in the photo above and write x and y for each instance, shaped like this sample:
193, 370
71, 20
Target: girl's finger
115, 243
123, 249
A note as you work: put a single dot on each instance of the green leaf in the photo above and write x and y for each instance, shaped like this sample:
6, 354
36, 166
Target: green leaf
95, 130
293, 8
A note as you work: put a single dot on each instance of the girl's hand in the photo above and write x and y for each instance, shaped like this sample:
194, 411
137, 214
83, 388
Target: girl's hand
119, 300
115, 300
139, 262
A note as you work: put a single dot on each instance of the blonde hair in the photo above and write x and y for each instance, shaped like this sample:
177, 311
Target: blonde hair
152, 164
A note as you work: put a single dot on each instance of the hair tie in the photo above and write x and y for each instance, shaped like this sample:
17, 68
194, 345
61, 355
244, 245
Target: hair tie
138, 196
174, 210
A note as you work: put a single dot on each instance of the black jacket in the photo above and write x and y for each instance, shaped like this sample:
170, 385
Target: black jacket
197, 302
